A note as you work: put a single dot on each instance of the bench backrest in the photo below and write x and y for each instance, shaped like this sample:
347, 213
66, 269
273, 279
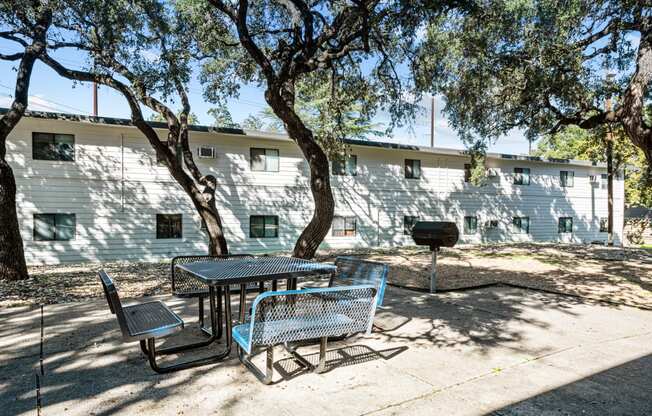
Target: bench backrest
295, 315
113, 299
354, 271
183, 284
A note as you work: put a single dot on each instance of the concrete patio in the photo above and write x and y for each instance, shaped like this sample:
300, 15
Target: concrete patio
495, 350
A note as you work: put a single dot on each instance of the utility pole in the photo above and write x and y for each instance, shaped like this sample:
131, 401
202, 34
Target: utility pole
94, 99
432, 121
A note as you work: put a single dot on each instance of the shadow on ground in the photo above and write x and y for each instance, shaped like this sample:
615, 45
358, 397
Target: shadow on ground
621, 390
88, 367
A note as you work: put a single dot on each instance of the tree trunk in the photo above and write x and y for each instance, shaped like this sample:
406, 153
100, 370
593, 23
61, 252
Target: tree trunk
320, 184
203, 201
632, 110
216, 241
12, 256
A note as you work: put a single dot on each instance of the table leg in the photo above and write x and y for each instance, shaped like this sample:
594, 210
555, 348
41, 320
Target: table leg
292, 284
152, 352
214, 332
228, 322
243, 303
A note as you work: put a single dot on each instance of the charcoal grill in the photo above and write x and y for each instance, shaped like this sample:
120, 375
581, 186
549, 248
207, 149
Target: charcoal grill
435, 234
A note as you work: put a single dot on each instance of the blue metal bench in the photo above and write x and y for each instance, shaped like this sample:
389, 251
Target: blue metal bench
354, 271
297, 315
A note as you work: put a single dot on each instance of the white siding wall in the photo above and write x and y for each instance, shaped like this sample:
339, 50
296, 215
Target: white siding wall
115, 188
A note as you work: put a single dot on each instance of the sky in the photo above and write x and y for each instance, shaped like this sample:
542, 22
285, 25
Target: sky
49, 92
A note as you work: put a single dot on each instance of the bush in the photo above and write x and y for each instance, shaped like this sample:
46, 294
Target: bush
634, 230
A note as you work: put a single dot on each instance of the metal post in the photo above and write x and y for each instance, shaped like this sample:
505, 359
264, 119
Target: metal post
432, 121
433, 272
94, 99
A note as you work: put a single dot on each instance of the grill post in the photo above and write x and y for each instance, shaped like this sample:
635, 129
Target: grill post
433, 272
435, 234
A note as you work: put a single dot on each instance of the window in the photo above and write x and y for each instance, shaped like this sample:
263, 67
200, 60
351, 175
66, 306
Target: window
263, 226
566, 225
467, 172
604, 225
470, 225
50, 146
566, 179
264, 160
169, 226
54, 227
521, 176
412, 169
340, 168
344, 227
521, 225
604, 181
408, 224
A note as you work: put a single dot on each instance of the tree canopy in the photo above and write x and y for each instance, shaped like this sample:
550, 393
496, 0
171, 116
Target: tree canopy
542, 65
356, 48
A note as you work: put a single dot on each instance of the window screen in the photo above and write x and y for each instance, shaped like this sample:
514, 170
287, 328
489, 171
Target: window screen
263, 226
566, 179
412, 169
54, 227
344, 226
264, 160
169, 226
521, 225
470, 225
566, 224
51, 146
521, 176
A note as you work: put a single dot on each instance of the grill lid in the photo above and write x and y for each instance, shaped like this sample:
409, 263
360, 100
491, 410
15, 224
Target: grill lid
435, 234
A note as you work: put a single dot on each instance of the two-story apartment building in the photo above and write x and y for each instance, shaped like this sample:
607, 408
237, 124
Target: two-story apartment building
92, 189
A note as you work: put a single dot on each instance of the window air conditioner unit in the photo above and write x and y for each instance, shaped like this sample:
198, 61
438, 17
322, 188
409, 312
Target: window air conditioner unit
206, 152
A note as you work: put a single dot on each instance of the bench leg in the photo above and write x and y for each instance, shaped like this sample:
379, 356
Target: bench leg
151, 356
301, 360
201, 312
265, 378
143, 347
322, 355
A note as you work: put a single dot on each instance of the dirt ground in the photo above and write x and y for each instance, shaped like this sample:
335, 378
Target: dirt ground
613, 274
607, 274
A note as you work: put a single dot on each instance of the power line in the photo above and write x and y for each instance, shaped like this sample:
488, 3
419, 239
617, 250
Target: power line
47, 101
47, 107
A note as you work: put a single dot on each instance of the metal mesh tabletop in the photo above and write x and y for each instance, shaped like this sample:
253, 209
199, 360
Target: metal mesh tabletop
244, 270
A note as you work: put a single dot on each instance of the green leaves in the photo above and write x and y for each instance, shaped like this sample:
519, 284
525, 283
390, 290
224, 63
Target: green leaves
529, 64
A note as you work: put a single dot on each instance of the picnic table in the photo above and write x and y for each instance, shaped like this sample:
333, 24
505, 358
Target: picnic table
220, 275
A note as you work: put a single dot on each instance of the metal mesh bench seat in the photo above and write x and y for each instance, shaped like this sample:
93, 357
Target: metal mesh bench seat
145, 322
149, 319
297, 315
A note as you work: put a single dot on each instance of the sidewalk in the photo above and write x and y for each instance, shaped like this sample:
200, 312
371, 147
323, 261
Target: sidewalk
498, 349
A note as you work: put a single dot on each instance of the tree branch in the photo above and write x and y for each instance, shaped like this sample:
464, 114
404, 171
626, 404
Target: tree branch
12, 57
